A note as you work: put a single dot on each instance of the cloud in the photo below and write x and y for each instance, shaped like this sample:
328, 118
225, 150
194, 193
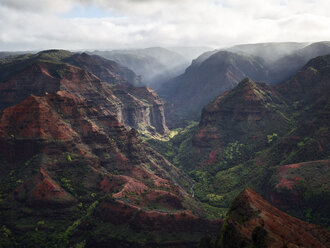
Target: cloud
55, 6
43, 24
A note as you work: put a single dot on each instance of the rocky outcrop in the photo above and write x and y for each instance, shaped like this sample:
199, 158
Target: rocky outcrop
142, 108
249, 101
252, 221
250, 111
69, 119
139, 108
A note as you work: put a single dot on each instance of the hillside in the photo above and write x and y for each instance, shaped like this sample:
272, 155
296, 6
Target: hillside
106, 70
287, 66
60, 158
140, 108
245, 133
253, 222
71, 174
200, 84
301, 190
214, 72
249, 112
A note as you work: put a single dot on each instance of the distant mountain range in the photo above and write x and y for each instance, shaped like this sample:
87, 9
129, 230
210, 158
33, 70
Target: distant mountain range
216, 71
155, 65
272, 138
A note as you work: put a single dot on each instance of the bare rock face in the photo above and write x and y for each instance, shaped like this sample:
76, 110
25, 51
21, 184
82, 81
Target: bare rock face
143, 108
252, 221
139, 108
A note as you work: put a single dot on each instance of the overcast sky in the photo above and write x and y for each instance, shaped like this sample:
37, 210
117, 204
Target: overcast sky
108, 24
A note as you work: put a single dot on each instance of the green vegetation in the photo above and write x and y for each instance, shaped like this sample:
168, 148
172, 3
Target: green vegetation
29, 161
67, 184
168, 145
240, 142
69, 158
15, 64
244, 153
9, 183
272, 138
71, 229
312, 69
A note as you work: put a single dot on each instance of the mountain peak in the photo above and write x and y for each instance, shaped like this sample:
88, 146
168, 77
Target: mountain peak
250, 111
247, 94
54, 55
203, 81
246, 81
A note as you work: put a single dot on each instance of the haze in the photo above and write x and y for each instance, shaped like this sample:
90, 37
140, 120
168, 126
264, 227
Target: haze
114, 24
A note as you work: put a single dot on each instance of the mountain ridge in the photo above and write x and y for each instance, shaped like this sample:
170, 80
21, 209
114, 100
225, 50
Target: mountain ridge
40, 76
199, 84
245, 133
71, 164
254, 222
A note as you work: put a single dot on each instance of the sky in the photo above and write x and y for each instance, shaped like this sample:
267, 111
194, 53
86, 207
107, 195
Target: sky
119, 24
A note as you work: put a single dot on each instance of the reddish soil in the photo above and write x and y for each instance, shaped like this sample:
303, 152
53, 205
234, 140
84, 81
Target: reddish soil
43, 191
182, 221
288, 182
282, 229
34, 118
132, 186
213, 156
